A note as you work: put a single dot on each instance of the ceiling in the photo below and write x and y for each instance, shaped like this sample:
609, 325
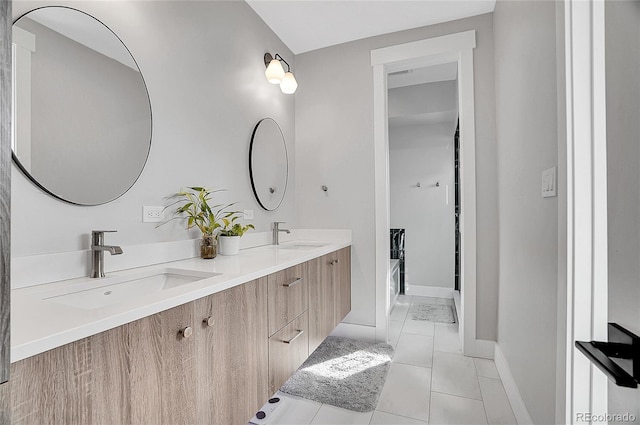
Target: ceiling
305, 25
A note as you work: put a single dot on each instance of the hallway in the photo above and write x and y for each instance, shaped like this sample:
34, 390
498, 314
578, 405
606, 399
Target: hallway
429, 381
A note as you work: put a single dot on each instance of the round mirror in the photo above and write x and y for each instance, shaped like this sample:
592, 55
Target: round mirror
268, 164
82, 116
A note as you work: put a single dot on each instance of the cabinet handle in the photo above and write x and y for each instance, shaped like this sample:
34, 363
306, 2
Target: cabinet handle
186, 332
334, 262
209, 321
300, 332
294, 283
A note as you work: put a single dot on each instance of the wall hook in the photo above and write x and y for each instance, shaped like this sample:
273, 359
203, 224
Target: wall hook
418, 184
437, 184
324, 188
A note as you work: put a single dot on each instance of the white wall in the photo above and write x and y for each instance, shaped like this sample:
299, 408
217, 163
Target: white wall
527, 125
334, 146
622, 38
203, 65
423, 152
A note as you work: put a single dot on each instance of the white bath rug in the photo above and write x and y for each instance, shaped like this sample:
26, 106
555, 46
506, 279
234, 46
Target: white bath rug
442, 313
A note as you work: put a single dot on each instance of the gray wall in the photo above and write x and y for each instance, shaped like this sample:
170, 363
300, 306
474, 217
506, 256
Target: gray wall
334, 146
203, 65
622, 39
527, 130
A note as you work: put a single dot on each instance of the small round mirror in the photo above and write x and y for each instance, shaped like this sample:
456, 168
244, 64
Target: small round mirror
268, 164
82, 124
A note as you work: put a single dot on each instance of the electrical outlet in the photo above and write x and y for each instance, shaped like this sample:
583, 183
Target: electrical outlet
248, 214
152, 214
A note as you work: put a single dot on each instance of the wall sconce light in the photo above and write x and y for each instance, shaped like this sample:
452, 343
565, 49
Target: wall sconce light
275, 73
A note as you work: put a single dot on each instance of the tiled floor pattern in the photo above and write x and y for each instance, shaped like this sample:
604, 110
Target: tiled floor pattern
429, 381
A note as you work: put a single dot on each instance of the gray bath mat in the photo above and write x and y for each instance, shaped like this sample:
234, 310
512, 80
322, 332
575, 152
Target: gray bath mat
344, 373
442, 313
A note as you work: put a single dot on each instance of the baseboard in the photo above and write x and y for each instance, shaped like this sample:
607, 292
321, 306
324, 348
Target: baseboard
485, 349
429, 291
513, 394
359, 332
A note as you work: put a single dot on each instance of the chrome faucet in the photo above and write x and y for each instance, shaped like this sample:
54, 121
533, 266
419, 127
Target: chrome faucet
277, 230
97, 252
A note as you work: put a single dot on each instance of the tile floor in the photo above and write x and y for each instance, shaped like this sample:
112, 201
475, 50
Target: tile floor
429, 381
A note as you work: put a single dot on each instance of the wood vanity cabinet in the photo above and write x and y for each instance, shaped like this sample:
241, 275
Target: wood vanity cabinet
148, 372
214, 360
329, 294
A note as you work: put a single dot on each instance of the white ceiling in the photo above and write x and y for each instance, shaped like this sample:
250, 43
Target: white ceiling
305, 25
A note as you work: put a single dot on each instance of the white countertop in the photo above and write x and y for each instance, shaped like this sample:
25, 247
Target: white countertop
38, 325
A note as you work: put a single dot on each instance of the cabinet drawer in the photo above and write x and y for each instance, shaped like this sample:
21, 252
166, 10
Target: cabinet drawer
288, 349
288, 296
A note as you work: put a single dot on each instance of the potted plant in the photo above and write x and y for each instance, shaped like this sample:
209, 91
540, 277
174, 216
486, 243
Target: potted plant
229, 236
193, 204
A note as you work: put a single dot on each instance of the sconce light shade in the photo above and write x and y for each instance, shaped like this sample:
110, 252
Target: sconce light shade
288, 84
274, 72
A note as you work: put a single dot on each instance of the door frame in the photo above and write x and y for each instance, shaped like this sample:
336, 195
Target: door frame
587, 263
433, 51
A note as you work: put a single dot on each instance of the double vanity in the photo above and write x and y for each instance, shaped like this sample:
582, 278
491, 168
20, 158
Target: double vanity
188, 341
191, 341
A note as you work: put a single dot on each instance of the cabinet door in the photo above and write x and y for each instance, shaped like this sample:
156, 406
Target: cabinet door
178, 364
232, 351
147, 370
288, 295
140, 373
288, 349
53, 387
321, 300
342, 283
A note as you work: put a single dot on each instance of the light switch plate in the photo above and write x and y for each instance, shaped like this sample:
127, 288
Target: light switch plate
549, 182
248, 214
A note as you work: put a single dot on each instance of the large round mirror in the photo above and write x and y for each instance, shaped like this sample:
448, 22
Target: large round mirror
82, 116
268, 164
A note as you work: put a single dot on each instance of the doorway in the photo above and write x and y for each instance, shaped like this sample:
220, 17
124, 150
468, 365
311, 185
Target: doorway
422, 121
456, 48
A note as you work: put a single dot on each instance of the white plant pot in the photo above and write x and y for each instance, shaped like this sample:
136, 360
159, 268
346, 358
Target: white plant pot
229, 245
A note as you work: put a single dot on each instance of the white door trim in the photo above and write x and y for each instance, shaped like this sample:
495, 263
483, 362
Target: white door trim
586, 386
445, 49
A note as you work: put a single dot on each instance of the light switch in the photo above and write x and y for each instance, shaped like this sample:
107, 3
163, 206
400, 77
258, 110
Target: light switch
549, 183
248, 214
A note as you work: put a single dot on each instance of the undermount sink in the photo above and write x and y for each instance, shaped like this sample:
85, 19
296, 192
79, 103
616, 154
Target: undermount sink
97, 293
301, 245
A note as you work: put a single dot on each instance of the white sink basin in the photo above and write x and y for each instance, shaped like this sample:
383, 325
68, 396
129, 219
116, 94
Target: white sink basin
98, 293
301, 245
